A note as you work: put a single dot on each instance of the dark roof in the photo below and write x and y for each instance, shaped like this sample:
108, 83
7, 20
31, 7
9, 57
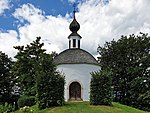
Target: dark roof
74, 34
75, 56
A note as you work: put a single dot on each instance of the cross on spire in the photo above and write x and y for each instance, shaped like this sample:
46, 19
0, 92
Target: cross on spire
74, 11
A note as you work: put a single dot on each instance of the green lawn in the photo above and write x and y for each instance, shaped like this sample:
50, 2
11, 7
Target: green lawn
85, 107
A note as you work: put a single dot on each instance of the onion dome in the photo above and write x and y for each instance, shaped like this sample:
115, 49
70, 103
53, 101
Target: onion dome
74, 26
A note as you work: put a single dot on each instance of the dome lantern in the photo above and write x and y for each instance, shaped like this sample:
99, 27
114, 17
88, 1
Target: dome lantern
74, 37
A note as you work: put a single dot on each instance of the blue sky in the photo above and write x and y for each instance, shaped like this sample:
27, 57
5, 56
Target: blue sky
21, 21
50, 7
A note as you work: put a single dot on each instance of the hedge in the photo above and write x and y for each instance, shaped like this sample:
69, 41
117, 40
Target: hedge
100, 88
50, 90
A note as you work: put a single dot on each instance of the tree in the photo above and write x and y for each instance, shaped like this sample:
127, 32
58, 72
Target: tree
6, 80
26, 67
129, 60
37, 76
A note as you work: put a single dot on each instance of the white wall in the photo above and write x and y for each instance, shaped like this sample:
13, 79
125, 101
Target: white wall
79, 73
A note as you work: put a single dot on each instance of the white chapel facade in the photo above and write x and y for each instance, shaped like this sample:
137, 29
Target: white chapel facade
76, 64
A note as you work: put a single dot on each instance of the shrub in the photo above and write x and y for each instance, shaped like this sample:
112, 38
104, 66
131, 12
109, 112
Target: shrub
6, 108
144, 101
100, 88
50, 90
26, 101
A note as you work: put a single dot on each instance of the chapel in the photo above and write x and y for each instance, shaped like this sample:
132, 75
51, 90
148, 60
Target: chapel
76, 64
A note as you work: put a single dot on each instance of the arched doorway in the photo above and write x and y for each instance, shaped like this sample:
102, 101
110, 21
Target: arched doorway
75, 91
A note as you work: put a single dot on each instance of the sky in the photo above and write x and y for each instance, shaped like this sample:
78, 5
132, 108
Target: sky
21, 21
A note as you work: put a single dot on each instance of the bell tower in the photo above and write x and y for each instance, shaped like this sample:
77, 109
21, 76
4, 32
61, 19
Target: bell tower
74, 37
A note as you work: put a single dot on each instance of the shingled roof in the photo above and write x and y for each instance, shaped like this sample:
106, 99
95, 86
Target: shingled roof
75, 56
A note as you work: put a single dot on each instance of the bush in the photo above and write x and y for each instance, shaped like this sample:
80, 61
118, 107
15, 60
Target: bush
26, 101
50, 90
100, 88
6, 108
144, 101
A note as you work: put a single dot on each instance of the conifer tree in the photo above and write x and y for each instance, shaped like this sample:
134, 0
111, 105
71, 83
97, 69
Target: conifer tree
6, 79
26, 66
36, 75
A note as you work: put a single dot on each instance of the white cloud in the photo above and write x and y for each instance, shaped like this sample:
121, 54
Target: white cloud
99, 23
7, 41
52, 29
4, 4
72, 1
103, 23
29, 13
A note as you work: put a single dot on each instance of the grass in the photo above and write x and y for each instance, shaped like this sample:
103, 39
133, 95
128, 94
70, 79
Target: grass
85, 107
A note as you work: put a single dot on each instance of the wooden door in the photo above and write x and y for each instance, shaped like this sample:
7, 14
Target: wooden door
75, 91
